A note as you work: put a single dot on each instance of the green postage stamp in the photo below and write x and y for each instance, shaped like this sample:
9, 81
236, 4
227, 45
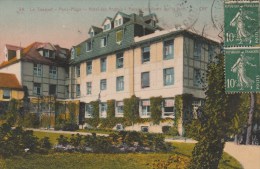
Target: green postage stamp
241, 23
242, 70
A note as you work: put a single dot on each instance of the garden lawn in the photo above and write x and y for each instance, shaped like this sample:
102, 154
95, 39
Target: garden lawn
52, 136
105, 161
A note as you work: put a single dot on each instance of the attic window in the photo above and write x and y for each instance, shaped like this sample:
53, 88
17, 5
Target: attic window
118, 22
91, 33
89, 46
48, 54
119, 36
107, 27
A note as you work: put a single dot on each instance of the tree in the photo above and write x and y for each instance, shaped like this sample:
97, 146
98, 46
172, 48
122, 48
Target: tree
215, 118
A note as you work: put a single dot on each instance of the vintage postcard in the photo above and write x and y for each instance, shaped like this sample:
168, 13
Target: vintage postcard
123, 84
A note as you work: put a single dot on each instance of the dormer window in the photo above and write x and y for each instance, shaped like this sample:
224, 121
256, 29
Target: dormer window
48, 53
118, 22
72, 53
104, 41
107, 27
89, 46
91, 34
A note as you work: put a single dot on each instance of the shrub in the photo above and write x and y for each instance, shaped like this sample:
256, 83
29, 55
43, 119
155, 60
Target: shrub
62, 140
31, 120
170, 130
70, 127
45, 143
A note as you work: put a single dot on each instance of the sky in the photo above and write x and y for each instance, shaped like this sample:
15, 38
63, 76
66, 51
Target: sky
67, 22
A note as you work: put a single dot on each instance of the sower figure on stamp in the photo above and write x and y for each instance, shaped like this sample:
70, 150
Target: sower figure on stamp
240, 68
239, 22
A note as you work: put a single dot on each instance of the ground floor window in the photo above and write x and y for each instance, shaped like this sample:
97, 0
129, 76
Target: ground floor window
145, 108
88, 111
119, 109
103, 110
168, 109
7, 94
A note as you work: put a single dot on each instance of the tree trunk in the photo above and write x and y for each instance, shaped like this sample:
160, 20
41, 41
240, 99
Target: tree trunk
250, 119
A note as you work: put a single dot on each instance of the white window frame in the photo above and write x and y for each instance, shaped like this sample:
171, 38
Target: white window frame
88, 111
145, 109
168, 49
89, 88
103, 41
120, 83
6, 93
168, 103
89, 46
103, 84
168, 79
37, 89
53, 72
37, 70
103, 110
119, 109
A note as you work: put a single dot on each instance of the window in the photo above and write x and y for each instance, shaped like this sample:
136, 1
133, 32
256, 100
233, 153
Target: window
103, 110
196, 78
88, 46
88, 111
145, 79
53, 72
89, 88
119, 60
119, 36
52, 89
118, 22
119, 127
89, 67
119, 109
145, 108
92, 33
168, 110
72, 53
46, 53
103, 64
37, 69
107, 27
103, 84
211, 52
7, 94
78, 90
120, 83
77, 70
168, 49
168, 76
37, 89
145, 54
103, 41
197, 50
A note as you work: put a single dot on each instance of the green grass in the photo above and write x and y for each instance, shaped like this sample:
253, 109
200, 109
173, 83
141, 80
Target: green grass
103, 161
52, 136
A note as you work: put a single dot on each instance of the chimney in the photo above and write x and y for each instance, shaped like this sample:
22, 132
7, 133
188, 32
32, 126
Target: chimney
141, 13
18, 53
